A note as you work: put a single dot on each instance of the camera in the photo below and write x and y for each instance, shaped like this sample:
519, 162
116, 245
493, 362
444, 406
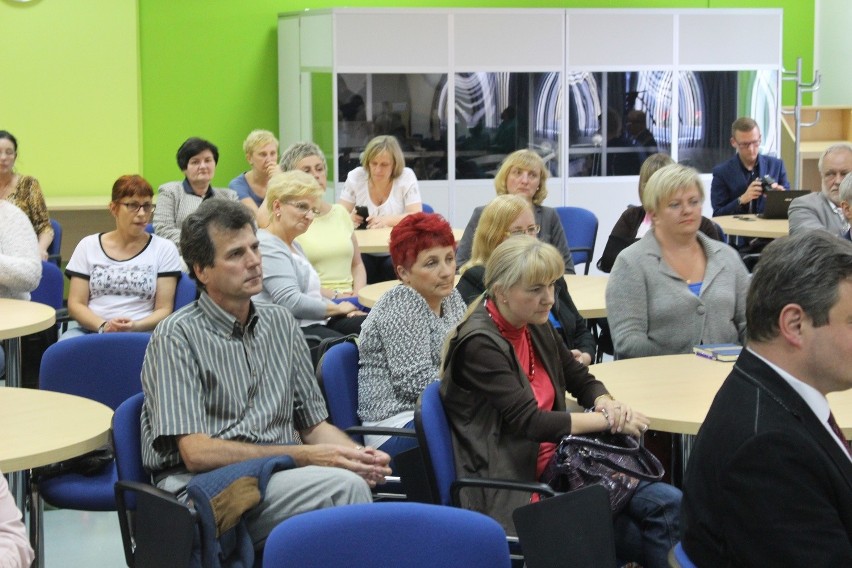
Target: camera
766, 182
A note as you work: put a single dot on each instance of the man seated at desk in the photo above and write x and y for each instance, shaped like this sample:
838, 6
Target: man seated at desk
227, 380
737, 185
822, 210
769, 481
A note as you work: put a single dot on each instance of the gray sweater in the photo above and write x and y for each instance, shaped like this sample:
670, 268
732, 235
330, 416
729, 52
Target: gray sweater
401, 343
651, 310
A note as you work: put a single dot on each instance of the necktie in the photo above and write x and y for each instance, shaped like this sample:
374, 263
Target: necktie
838, 432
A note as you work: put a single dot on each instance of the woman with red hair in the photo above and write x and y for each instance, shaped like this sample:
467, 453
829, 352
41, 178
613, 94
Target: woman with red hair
125, 279
402, 337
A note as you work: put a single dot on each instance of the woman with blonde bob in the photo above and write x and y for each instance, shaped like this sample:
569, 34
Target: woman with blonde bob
635, 221
388, 190
261, 150
508, 216
505, 376
676, 287
288, 277
523, 173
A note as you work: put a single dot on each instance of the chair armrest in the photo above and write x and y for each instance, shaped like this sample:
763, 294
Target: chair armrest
527, 487
382, 431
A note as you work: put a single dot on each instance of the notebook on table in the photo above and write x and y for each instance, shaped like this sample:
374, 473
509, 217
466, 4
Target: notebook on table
778, 202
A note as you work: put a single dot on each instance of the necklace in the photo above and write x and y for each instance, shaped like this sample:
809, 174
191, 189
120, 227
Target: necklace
527, 336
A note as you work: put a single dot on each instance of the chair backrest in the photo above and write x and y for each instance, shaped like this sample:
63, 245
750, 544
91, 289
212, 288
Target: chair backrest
51, 287
405, 535
427, 208
581, 231
127, 440
590, 541
53, 251
185, 292
338, 377
103, 367
149, 228
436, 443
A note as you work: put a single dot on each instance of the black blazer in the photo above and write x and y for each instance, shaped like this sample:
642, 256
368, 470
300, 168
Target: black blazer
730, 181
767, 484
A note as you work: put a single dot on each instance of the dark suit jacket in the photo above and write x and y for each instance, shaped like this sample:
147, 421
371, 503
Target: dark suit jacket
730, 181
767, 484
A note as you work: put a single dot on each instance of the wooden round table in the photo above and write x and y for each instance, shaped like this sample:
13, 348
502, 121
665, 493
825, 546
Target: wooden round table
374, 241
44, 427
753, 226
588, 293
676, 391
19, 318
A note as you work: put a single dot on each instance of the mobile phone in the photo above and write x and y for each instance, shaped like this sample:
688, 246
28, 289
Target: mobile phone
361, 211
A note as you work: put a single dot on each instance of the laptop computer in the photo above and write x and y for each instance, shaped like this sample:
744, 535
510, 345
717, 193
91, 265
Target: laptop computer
777, 203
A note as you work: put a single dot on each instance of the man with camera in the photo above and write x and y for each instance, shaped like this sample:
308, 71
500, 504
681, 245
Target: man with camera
739, 183
822, 209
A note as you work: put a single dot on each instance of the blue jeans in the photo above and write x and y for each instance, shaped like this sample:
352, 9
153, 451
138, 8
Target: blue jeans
398, 444
649, 526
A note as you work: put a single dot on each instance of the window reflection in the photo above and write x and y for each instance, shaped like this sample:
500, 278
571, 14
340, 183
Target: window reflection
397, 104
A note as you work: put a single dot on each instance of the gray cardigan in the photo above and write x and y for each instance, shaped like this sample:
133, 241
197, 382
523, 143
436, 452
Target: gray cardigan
551, 232
651, 310
174, 205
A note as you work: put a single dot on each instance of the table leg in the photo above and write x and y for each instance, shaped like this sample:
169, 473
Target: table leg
12, 346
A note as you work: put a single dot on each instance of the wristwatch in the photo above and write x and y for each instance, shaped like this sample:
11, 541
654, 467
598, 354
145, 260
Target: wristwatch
102, 327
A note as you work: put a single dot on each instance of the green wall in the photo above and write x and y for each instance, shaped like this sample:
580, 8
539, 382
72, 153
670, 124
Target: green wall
74, 71
69, 91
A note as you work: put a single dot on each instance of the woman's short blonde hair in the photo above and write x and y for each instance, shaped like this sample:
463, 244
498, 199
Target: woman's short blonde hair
667, 181
493, 225
522, 260
651, 164
381, 144
289, 186
258, 138
525, 160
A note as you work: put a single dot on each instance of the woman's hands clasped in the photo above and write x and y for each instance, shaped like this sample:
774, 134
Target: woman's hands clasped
621, 418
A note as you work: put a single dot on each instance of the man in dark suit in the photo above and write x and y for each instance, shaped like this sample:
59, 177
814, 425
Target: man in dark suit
736, 186
769, 481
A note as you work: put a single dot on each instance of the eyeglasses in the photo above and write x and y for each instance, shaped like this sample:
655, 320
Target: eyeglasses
747, 145
532, 231
303, 207
679, 206
134, 207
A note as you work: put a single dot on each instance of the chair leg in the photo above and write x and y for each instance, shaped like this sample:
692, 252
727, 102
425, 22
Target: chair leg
36, 525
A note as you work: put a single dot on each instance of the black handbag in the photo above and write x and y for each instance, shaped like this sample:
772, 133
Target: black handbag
616, 461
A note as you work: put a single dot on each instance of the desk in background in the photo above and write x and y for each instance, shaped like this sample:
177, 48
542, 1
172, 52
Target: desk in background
588, 293
373, 241
753, 226
80, 217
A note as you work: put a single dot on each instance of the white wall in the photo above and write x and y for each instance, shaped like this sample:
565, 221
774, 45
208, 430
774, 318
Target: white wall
833, 51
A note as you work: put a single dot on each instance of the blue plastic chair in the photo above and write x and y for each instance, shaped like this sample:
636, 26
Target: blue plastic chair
102, 367
581, 231
403, 535
53, 251
427, 208
156, 529
186, 291
149, 228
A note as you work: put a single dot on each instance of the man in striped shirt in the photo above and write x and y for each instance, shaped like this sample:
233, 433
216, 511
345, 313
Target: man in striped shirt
227, 380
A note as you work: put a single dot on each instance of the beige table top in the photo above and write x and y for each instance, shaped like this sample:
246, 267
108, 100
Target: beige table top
21, 317
84, 203
43, 427
377, 240
588, 293
753, 226
675, 391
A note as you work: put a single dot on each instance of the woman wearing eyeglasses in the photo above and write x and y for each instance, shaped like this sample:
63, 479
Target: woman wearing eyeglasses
177, 200
125, 279
523, 173
292, 203
676, 287
507, 216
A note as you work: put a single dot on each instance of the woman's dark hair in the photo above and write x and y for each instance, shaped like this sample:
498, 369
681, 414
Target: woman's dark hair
193, 147
8, 136
418, 232
131, 186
